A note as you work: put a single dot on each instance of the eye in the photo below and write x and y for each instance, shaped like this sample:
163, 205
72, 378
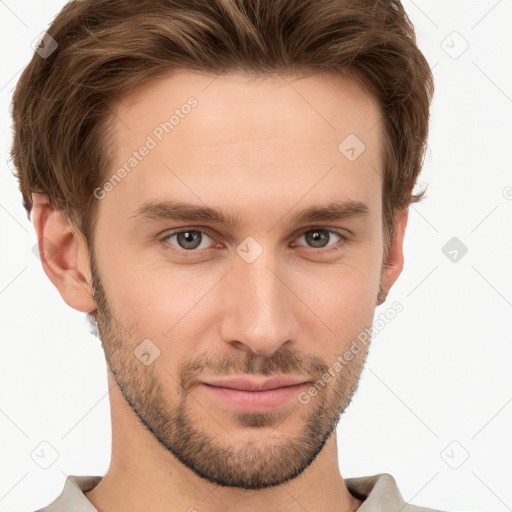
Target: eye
188, 239
320, 238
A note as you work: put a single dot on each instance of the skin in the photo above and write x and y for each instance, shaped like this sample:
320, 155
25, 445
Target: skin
261, 150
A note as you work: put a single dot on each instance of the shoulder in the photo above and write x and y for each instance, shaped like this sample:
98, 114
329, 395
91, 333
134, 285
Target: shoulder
380, 492
72, 498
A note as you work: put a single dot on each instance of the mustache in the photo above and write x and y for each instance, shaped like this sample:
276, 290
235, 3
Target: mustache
282, 362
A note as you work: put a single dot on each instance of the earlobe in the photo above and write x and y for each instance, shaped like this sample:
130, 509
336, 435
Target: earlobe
394, 263
61, 252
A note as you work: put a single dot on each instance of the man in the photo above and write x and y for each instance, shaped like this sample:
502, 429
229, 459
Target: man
223, 187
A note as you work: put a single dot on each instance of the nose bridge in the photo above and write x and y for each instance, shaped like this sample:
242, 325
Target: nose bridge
258, 308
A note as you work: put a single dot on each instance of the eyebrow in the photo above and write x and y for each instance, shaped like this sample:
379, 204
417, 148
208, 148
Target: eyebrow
186, 212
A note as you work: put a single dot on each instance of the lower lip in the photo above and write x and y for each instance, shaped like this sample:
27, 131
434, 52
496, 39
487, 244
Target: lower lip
255, 401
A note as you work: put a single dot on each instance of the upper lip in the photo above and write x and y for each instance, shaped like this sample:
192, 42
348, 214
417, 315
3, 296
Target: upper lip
255, 384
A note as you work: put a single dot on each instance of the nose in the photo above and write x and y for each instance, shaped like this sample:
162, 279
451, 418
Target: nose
258, 314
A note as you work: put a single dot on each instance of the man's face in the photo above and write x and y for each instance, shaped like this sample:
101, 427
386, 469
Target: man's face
269, 295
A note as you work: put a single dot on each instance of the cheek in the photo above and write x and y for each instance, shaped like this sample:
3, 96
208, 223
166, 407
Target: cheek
343, 301
342, 296
160, 301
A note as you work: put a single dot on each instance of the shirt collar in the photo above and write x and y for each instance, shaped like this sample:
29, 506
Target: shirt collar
379, 492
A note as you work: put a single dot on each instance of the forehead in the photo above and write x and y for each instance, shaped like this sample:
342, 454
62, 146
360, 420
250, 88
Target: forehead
200, 137
266, 107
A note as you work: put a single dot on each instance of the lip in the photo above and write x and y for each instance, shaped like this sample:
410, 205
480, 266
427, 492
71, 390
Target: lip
255, 384
254, 395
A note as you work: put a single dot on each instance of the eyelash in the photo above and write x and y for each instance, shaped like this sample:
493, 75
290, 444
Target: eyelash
343, 239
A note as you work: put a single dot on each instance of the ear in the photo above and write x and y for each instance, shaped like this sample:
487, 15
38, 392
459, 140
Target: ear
63, 254
393, 266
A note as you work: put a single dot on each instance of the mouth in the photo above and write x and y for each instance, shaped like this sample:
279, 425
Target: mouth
252, 394
251, 383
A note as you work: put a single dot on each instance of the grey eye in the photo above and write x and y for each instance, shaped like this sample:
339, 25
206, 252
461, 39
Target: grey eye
188, 239
320, 238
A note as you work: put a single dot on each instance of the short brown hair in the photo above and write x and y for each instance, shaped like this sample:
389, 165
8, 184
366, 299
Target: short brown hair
62, 104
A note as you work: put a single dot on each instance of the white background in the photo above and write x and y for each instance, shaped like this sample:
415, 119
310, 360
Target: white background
437, 386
